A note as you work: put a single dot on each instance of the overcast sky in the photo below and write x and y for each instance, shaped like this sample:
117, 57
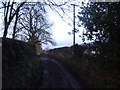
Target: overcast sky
60, 31
61, 28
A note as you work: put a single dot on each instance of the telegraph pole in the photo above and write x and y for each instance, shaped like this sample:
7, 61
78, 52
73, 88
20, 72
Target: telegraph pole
73, 30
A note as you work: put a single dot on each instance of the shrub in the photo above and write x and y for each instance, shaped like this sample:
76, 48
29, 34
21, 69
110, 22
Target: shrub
19, 63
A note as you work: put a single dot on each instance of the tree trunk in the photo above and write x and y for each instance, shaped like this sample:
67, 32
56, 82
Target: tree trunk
5, 30
14, 28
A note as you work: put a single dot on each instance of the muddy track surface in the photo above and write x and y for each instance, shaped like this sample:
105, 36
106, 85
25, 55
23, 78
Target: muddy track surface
55, 75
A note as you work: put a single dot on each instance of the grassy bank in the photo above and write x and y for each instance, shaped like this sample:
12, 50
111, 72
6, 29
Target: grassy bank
19, 64
90, 68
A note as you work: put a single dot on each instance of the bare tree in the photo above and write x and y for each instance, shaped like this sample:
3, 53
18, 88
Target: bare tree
61, 7
9, 13
34, 24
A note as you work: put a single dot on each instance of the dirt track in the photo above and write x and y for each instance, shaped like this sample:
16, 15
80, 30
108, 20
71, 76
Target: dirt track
55, 75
